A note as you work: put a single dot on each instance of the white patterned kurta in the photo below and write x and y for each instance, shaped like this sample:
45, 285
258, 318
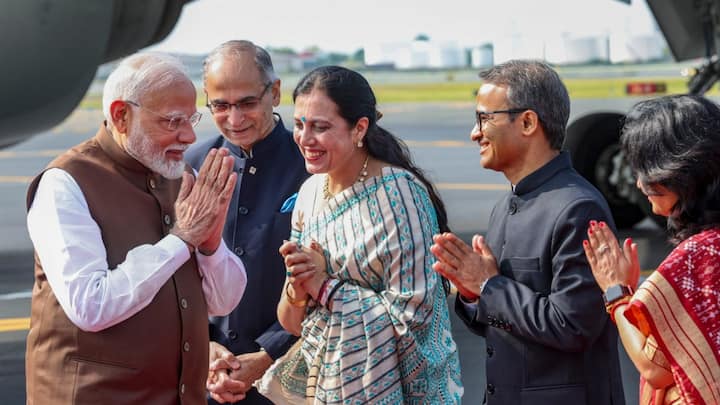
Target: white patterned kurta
388, 338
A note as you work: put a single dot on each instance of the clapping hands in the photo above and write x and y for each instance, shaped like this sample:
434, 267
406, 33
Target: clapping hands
465, 266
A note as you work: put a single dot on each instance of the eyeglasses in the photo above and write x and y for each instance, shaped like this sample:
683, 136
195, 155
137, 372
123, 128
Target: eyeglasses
245, 105
483, 117
173, 123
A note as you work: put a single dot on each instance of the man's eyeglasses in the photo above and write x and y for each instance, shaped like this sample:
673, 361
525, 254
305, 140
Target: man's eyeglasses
173, 123
245, 105
483, 117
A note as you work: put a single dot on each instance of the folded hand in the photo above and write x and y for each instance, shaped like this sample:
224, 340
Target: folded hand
466, 267
610, 263
202, 203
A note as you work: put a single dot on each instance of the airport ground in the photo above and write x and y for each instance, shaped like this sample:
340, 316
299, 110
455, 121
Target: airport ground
437, 134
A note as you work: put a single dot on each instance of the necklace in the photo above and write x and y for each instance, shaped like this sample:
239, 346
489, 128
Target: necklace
361, 178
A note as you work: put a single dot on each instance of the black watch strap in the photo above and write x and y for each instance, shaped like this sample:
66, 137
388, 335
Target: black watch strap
616, 292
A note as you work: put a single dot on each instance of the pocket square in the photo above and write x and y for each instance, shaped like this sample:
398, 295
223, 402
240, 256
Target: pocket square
289, 204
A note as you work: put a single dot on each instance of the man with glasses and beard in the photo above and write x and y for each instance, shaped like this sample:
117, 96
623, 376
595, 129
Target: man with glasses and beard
241, 90
527, 286
129, 253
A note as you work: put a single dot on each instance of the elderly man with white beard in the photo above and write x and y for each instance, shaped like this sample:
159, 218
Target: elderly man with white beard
129, 256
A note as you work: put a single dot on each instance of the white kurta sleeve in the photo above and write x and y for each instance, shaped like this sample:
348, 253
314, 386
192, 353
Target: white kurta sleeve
224, 280
70, 247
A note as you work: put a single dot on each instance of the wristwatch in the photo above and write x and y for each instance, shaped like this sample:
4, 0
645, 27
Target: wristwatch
615, 293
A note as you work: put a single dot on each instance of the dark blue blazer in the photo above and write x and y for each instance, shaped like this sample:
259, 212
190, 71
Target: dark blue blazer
254, 230
549, 339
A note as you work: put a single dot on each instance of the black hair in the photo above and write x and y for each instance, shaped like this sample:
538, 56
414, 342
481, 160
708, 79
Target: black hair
536, 86
355, 99
674, 141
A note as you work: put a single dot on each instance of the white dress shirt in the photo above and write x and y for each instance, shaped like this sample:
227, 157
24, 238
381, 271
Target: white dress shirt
70, 247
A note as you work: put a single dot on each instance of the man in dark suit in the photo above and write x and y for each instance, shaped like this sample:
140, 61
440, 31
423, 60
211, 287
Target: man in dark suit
526, 286
241, 89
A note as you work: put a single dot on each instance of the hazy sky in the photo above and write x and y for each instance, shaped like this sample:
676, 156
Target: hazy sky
347, 25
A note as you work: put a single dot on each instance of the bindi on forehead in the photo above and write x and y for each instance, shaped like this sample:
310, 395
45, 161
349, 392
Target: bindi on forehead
312, 120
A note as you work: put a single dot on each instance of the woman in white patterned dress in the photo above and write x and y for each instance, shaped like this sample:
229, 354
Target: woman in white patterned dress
361, 293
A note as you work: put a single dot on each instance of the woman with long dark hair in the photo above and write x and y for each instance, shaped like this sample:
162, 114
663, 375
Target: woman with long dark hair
361, 293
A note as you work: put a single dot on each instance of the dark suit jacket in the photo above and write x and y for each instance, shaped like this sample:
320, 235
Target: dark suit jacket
549, 339
254, 230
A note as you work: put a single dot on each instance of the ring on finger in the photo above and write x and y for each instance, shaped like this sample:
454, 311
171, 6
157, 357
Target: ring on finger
602, 248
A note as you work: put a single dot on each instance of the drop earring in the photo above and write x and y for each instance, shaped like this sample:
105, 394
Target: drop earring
360, 143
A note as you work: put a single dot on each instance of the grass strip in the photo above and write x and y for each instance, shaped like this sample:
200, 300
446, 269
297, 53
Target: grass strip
465, 91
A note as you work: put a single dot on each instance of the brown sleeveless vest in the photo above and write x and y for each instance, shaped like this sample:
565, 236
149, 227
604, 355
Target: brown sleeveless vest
157, 356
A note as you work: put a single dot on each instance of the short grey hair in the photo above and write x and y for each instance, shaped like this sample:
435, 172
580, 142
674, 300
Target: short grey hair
534, 85
234, 49
138, 75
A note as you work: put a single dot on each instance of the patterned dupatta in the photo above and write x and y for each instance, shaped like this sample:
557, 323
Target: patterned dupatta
678, 307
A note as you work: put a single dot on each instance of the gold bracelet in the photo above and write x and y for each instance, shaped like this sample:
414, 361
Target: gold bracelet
293, 301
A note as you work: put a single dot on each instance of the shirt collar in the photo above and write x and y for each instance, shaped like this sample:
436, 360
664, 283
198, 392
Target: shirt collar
543, 174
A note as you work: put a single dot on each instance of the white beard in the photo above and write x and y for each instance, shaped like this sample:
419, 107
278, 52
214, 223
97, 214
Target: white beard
145, 151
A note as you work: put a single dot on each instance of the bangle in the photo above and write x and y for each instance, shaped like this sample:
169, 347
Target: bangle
611, 308
294, 302
329, 289
322, 292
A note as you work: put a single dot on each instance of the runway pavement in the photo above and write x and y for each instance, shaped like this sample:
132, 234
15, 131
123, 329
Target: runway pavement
437, 135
